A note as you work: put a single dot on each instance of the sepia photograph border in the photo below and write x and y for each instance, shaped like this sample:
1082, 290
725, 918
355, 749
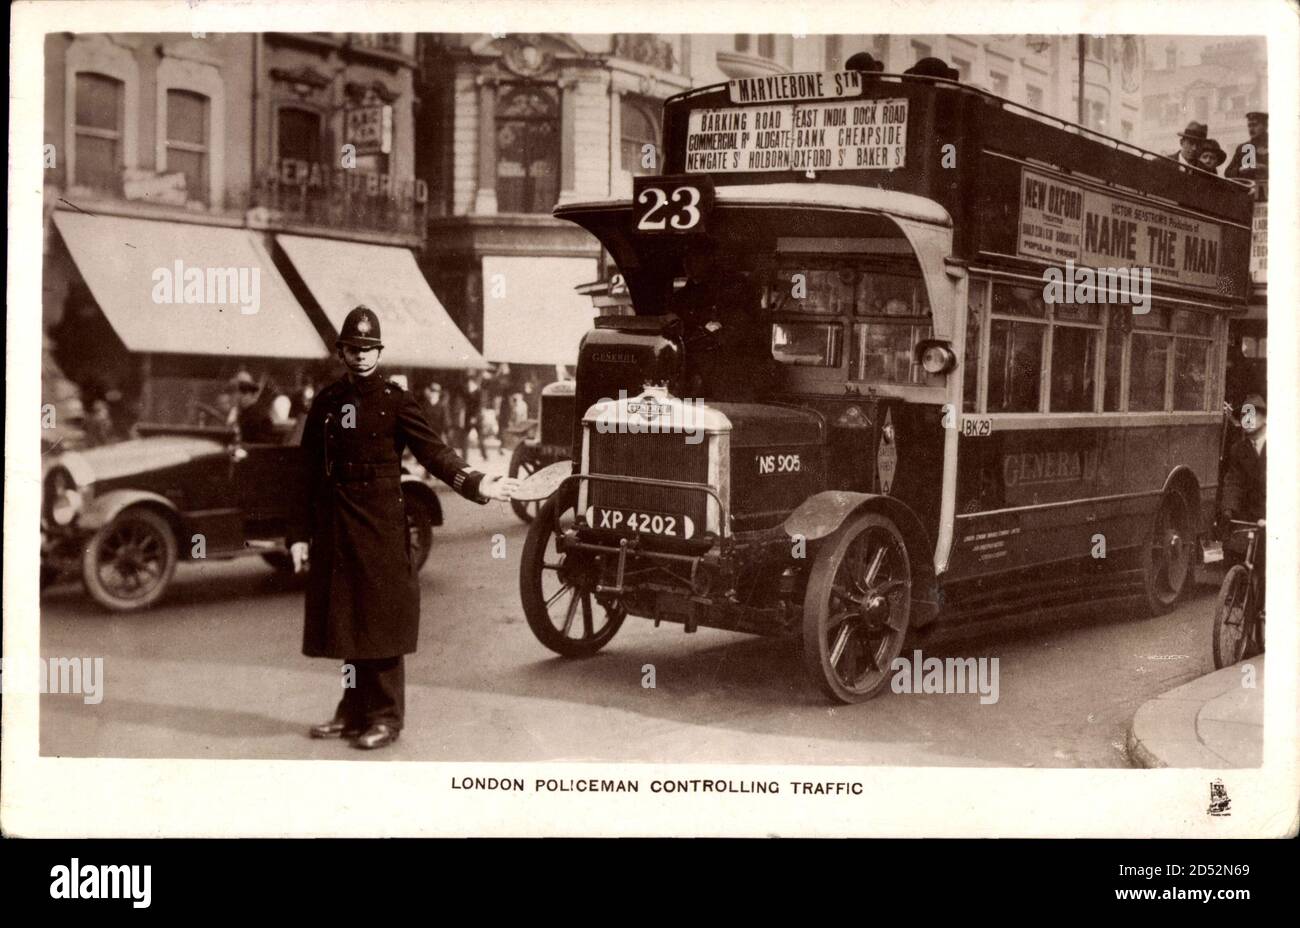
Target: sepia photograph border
80, 797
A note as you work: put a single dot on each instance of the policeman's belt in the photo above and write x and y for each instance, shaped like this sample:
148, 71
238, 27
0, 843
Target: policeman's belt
356, 471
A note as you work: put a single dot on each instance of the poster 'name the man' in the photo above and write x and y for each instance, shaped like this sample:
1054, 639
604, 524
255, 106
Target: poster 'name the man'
1061, 221
849, 136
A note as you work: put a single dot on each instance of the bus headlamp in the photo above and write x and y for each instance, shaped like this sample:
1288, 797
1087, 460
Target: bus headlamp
935, 357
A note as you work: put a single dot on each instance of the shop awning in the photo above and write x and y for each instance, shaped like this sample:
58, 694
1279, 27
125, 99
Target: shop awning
531, 312
181, 288
343, 275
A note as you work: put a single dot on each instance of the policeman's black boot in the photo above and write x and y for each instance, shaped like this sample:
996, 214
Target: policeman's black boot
334, 728
379, 735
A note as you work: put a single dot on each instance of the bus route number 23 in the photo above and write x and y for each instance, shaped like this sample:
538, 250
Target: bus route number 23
672, 205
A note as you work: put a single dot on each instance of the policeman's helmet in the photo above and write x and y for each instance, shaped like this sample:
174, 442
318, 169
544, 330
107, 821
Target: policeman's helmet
360, 329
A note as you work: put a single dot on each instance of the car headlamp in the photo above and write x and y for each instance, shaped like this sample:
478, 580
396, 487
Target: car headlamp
66, 506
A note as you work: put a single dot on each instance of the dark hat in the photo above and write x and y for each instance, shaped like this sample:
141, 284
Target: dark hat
1195, 130
1257, 115
360, 329
1212, 145
933, 67
863, 61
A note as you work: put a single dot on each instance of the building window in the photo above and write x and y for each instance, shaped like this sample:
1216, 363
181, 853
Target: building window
528, 149
742, 42
1126, 130
1097, 47
920, 50
963, 69
767, 46
1034, 95
637, 129
1201, 107
1171, 58
99, 128
187, 141
298, 135
1001, 83
1097, 115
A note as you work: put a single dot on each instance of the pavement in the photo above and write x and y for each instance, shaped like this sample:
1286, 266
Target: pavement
1215, 721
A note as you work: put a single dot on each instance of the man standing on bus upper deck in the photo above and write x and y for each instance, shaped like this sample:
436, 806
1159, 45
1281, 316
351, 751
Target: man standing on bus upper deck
1190, 141
1257, 126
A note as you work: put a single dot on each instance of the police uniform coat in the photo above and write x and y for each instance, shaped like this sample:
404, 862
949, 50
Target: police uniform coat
363, 595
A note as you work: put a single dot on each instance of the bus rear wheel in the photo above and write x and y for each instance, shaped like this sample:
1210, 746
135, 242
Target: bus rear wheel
857, 608
1167, 555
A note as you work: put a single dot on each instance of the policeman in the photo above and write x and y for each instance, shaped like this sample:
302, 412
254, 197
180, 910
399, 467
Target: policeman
363, 596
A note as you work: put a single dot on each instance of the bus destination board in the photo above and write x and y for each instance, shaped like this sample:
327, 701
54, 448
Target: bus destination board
842, 136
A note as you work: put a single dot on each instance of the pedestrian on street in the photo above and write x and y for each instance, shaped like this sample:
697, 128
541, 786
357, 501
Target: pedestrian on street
363, 595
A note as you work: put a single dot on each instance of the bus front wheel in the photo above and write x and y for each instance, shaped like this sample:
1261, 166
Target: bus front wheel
857, 608
1167, 555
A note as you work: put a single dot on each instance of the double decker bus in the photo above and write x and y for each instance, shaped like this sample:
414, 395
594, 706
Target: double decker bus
904, 354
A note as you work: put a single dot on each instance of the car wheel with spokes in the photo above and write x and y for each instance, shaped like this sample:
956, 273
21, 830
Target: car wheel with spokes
558, 594
857, 608
128, 564
523, 464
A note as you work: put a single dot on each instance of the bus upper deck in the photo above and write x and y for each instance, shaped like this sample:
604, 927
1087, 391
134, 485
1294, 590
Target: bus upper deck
965, 149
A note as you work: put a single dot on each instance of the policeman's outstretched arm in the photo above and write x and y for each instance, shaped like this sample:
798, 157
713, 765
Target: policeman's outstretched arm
418, 434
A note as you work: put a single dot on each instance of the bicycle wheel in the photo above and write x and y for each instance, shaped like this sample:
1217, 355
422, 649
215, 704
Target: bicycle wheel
1234, 618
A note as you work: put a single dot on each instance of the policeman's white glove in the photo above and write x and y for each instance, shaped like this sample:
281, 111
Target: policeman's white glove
298, 551
501, 488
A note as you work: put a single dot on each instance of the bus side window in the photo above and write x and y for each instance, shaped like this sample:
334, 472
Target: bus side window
1016, 350
1118, 327
977, 294
1075, 331
1148, 362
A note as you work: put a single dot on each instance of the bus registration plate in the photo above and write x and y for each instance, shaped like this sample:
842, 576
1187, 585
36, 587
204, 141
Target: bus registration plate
639, 522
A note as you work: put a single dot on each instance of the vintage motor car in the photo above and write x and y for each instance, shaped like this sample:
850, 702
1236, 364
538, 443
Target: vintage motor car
124, 515
553, 441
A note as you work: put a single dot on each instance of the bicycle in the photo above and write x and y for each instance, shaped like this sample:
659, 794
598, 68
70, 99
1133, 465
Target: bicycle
1239, 610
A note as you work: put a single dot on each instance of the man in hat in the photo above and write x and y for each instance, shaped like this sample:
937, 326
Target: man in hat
252, 413
1190, 141
1254, 167
1244, 476
363, 595
863, 61
934, 67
